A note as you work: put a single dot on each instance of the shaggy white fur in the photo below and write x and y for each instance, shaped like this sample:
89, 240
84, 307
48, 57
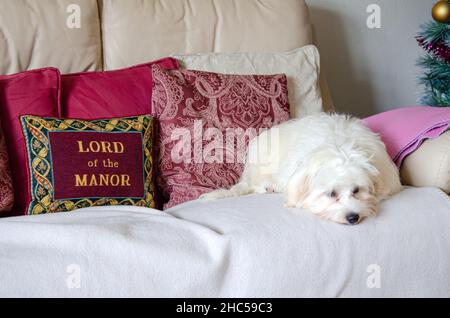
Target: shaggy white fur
332, 165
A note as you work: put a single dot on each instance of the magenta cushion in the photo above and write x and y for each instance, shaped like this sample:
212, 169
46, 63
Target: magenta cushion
197, 109
6, 186
94, 95
29, 93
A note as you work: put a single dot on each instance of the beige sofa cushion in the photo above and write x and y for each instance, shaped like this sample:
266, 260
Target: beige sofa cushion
429, 165
301, 66
137, 31
34, 34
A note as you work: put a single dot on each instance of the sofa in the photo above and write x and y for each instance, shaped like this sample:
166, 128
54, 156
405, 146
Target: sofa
244, 247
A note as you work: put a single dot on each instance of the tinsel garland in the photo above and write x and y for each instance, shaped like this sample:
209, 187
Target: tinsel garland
438, 49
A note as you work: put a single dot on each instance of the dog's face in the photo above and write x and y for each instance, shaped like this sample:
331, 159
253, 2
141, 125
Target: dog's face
344, 192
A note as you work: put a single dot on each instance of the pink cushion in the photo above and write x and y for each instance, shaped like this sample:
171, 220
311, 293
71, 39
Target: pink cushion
6, 187
94, 95
29, 93
403, 130
187, 104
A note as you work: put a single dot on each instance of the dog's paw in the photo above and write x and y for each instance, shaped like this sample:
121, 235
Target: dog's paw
206, 197
270, 190
289, 205
215, 195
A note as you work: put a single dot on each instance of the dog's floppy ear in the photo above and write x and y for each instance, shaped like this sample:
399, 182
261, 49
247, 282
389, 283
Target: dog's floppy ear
297, 188
387, 180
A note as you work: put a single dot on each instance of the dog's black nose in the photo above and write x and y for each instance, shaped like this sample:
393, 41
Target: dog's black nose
352, 218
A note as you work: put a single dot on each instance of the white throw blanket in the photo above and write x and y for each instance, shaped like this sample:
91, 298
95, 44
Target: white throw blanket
243, 247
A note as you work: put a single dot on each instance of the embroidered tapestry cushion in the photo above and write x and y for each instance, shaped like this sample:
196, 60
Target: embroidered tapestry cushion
76, 164
205, 122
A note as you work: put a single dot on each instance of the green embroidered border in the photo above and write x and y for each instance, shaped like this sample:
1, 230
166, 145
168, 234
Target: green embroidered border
36, 131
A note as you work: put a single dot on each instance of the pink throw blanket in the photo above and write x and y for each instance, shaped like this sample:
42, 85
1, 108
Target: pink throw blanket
403, 130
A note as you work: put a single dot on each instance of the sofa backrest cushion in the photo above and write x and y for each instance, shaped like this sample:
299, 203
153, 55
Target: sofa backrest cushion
63, 34
135, 31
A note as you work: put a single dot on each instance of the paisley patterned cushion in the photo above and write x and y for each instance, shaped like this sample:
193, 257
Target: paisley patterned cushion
6, 187
76, 164
205, 123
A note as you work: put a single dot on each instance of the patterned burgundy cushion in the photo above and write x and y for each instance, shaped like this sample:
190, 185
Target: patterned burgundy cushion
6, 187
205, 123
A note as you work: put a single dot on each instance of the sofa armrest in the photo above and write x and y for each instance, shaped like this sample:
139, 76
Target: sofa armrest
429, 166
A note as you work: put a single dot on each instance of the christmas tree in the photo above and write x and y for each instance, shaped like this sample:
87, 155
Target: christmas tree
434, 38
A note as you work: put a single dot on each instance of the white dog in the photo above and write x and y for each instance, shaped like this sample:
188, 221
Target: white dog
331, 165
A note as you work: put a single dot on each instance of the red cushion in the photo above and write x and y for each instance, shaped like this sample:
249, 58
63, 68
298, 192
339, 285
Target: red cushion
196, 109
29, 93
6, 186
126, 92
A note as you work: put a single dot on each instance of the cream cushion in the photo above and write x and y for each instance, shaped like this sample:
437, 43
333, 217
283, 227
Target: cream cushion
429, 165
34, 34
302, 67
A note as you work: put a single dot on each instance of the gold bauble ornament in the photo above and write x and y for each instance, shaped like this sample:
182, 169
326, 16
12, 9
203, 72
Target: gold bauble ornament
441, 11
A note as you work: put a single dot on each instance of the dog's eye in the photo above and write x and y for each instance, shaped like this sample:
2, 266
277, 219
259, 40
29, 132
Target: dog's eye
356, 190
333, 194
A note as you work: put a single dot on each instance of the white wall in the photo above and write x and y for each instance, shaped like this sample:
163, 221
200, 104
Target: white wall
370, 70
